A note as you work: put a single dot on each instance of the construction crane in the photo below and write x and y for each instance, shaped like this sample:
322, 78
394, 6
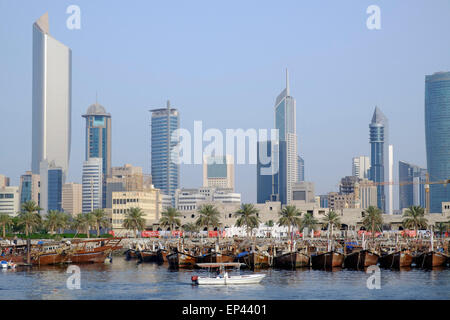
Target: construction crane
425, 183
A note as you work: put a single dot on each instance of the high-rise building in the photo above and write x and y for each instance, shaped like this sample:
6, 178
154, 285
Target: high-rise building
92, 184
390, 193
218, 171
72, 199
347, 184
412, 181
125, 178
285, 122
378, 137
51, 186
361, 167
365, 194
98, 140
51, 100
267, 172
4, 181
30, 187
165, 167
300, 169
437, 136
9, 200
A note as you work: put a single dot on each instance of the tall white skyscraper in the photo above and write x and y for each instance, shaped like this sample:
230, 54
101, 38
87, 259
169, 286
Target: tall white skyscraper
361, 167
390, 195
92, 184
51, 100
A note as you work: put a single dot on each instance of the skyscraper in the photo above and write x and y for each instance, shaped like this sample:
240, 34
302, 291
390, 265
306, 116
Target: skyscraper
267, 172
51, 100
165, 168
285, 122
50, 186
361, 167
29, 187
72, 198
377, 159
412, 181
98, 140
437, 136
300, 169
218, 171
92, 184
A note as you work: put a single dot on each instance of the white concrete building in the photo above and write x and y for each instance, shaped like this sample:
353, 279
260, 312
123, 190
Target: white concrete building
192, 199
9, 200
361, 167
218, 171
92, 184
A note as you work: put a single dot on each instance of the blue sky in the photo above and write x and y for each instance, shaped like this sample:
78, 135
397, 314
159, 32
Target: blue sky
223, 62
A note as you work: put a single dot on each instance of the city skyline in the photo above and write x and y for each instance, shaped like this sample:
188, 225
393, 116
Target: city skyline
191, 177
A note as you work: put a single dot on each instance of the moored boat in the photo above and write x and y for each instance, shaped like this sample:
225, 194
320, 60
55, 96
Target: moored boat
223, 278
256, 260
396, 260
431, 259
327, 260
291, 260
181, 260
360, 259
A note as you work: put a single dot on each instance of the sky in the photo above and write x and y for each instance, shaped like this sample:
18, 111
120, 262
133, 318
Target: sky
223, 62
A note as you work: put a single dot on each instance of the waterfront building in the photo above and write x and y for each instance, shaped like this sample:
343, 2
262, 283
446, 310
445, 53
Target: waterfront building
165, 168
30, 187
218, 171
72, 198
4, 181
98, 140
378, 139
9, 200
125, 178
51, 182
192, 199
361, 167
300, 169
303, 191
412, 180
92, 184
437, 136
149, 201
51, 99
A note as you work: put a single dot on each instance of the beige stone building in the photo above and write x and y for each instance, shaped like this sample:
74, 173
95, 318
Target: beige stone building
4, 181
72, 201
122, 201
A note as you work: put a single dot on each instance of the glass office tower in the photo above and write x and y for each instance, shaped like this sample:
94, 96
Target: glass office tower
51, 99
165, 169
98, 140
412, 180
377, 159
437, 136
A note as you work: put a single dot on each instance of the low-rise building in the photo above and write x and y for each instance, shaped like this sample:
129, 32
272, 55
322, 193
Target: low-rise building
9, 200
72, 200
192, 199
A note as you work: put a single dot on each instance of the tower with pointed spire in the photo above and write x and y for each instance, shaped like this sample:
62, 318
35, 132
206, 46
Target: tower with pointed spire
378, 141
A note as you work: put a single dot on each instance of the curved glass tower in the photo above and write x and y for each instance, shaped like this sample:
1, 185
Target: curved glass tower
377, 148
52, 90
437, 136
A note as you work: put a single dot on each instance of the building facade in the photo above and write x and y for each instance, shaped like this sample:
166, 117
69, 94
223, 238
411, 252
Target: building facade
300, 169
218, 171
92, 183
303, 191
4, 181
365, 194
72, 198
125, 178
29, 187
361, 167
437, 136
51, 99
412, 180
164, 163
98, 140
193, 199
51, 182
378, 135
9, 200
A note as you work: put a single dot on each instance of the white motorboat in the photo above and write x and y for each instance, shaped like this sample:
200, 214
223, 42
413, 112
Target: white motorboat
223, 278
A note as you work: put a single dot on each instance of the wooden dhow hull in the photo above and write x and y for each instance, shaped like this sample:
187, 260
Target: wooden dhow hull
360, 259
396, 260
327, 260
431, 259
181, 260
291, 260
255, 260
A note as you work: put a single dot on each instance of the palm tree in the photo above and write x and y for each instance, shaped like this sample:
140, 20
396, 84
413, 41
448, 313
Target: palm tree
441, 227
373, 221
270, 223
190, 227
29, 217
54, 220
290, 217
84, 222
5, 221
101, 220
170, 218
134, 220
414, 217
308, 221
208, 216
247, 216
331, 219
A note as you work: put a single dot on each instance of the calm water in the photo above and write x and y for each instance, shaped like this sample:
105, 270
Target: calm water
128, 280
